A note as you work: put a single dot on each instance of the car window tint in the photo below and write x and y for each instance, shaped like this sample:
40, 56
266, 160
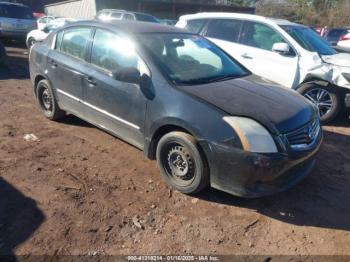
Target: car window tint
260, 36
225, 29
195, 26
112, 52
59, 37
116, 15
128, 17
74, 41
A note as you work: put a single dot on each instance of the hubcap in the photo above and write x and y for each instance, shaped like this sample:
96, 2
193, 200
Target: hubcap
179, 164
322, 99
32, 42
46, 100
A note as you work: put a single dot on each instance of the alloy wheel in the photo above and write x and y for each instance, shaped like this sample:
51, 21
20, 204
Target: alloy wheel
322, 99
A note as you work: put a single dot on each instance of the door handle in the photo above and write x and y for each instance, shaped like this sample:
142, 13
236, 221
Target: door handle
53, 63
90, 80
246, 56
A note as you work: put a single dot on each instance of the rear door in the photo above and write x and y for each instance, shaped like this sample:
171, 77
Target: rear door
117, 106
255, 52
67, 67
226, 34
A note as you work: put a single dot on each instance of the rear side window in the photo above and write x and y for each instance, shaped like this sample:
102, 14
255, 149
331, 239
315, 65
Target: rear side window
112, 52
195, 26
74, 41
224, 29
14, 11
260, 36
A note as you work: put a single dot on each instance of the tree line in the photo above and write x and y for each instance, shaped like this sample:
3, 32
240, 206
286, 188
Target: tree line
318, 13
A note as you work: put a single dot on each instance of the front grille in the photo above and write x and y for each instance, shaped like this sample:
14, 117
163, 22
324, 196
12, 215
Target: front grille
305, 136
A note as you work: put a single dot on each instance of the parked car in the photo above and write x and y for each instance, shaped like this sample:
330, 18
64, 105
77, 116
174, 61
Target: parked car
344, 42
116, 14
286, 53
3, 56
16, 20
183, 101
335, 34
38, 35
42, 22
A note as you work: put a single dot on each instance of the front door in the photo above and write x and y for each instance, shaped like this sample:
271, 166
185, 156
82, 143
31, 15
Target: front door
256, 54
116, 106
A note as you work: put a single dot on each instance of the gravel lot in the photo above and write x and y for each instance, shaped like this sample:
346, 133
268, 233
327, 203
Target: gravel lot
78, 190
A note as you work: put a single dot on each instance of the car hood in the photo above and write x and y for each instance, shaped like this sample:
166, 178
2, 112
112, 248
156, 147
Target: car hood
279, 109
341, 59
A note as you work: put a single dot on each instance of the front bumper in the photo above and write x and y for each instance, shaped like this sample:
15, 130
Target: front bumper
251, 175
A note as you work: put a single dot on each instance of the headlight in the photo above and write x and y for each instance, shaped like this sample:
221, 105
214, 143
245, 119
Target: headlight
346, 76
254, 137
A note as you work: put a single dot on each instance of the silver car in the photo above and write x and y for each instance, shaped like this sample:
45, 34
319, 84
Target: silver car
16, 20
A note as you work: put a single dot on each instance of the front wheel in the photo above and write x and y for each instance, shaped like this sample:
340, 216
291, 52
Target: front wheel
325, 98
31, 41
182, 163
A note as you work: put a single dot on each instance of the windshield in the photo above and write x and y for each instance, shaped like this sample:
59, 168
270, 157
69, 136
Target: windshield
309, 40
15, 11
190, 59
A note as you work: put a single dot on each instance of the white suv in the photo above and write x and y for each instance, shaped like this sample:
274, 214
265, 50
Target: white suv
286, 53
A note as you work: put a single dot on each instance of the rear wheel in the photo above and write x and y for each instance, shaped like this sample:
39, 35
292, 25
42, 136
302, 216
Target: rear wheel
325, 98
181, 163
47, 101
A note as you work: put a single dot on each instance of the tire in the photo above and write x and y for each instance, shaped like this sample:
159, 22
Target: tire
3, 56
47, 101
181, 163
31, 41
326, 95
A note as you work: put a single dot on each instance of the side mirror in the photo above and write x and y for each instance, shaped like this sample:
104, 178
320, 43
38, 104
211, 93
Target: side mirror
128, 74
281, 48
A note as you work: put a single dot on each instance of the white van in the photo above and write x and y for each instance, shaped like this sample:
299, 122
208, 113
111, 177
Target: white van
286, 53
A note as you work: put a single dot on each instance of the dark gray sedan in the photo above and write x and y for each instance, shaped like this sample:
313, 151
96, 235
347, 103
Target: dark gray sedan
183, 101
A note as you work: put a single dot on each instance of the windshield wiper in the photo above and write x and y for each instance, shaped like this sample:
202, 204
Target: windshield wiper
210, 79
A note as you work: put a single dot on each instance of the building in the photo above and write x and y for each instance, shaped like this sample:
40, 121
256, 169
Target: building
170, 9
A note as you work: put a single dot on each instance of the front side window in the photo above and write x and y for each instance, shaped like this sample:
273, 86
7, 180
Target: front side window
190, 59
146, 18
116, 15
112, 52
128, 17
195, 26
74, 41
309, 40
260, 36
224, 29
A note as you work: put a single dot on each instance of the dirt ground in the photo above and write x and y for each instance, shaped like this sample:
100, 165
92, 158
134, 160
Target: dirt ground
80, 191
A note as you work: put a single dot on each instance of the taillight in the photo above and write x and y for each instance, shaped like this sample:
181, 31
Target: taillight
345, 37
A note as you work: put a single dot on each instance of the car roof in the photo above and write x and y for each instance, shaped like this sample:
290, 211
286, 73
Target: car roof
237, 16
131, 27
